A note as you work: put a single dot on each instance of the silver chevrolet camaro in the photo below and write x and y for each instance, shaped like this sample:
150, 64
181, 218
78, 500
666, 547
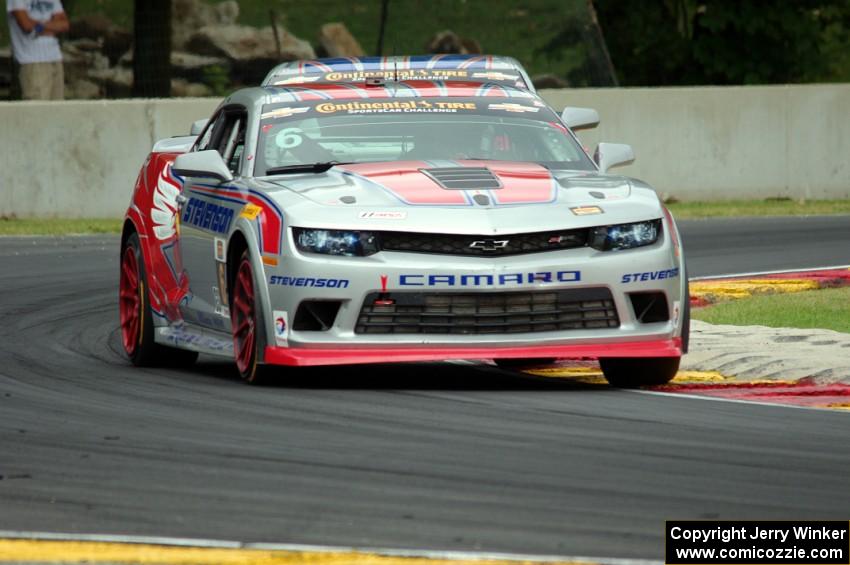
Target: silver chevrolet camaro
391, 217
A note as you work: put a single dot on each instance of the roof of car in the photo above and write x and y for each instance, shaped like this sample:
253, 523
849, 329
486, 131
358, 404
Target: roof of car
392, 89
352, 70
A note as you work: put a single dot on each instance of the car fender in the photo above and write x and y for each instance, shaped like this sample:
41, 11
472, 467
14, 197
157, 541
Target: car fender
247, 229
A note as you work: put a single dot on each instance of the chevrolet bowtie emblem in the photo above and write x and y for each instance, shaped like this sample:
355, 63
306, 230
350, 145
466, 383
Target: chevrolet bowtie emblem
489, 244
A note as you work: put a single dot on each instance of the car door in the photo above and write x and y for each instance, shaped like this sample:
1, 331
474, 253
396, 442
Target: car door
208, 210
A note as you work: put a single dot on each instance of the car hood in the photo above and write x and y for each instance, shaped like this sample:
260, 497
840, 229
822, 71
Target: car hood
443, 196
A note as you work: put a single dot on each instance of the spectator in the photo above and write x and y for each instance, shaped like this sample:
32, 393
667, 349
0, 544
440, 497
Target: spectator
33, 27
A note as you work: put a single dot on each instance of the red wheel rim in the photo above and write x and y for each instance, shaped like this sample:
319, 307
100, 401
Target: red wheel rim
130, 301
243, 318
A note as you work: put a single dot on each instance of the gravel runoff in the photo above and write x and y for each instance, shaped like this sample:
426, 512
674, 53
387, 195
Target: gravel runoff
759, 352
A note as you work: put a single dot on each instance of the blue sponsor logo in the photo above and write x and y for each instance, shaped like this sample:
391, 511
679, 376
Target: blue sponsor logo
650, 276
207, 216
503, 279
309, 281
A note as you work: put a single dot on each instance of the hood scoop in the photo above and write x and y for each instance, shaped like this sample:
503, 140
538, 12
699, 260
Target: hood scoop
464, 178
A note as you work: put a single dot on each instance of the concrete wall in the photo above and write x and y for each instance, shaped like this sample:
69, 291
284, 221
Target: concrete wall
80, 159
709, 143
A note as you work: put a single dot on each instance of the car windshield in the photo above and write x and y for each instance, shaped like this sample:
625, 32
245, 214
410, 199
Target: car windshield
422, 129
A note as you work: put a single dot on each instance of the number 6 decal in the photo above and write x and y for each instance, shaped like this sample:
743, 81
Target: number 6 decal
289, 138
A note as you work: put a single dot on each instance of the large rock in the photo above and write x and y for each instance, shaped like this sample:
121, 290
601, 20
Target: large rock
183, 88
448, 42
197, 68
189, 66
116, 82
80, 59
337, 41
188, 16
83, 89
549, 80
90, 26
242, 43
114, 40
252, 52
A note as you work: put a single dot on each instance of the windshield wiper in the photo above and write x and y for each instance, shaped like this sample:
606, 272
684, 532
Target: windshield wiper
304, 168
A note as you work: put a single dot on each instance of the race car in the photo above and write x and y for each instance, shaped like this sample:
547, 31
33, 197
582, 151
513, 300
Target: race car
399, 221
469, 68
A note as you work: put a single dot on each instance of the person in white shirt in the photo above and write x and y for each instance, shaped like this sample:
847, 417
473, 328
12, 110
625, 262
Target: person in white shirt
33, 27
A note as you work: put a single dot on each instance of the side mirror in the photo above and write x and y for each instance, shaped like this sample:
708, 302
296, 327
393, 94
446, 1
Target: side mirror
610, 155
580, 118
198, 127
202, 164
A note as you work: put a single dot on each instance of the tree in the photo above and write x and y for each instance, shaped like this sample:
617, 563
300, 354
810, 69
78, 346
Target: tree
152, 48
682, 42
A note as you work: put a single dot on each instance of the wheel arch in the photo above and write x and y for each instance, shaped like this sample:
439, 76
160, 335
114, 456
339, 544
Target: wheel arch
243, 238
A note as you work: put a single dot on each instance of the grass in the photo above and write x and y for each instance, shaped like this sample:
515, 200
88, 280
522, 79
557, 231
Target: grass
770, 207
36, 226
824, 309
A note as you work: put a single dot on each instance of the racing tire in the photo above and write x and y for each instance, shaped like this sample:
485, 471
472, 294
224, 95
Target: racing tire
633, 372
136, 318
246, 318
523, 363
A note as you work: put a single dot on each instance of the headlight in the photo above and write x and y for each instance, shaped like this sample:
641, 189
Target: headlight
336, 242
625, 236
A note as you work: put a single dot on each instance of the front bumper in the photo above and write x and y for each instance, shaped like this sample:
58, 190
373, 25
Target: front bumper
294, 356
296, 279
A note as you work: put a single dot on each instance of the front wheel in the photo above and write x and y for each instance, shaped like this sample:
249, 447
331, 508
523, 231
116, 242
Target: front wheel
134, 313
633, 372
246, 319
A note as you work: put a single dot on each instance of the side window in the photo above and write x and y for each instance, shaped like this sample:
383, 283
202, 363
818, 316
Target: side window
233, 141
205, 140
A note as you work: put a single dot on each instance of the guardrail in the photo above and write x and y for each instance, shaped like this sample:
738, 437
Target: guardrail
80, 159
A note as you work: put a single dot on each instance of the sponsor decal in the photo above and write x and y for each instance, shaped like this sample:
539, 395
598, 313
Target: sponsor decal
402, 74
308, 281
220, 292
382, 215
501, 279
513, 107
207, 216
250, 212
270, 231
296, 80
219, 308
164, 206
220, 247
650, 276
403, 106
676, 310
283, 112
586, 210
281, 327
179, 336
495, 75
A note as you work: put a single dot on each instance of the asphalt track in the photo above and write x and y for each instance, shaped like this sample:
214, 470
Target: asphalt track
431, 456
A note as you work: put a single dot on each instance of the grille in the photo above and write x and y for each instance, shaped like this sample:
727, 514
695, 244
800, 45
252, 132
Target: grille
451, 244
487, 313
464, 178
